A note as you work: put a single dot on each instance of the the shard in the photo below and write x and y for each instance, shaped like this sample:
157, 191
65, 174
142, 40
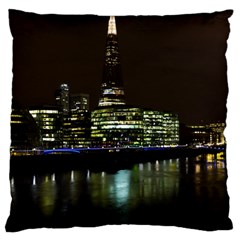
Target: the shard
112, 92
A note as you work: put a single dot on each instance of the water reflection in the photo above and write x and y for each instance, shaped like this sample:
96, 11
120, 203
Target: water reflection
47, 195
163, 183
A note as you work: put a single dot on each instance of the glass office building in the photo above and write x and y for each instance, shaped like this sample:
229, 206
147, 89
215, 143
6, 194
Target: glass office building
25, 133
62, 98
48, 120
76, 129
170, 129
153, 128
117, 126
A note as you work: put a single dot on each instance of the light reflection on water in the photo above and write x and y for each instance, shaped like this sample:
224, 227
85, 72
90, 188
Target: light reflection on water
161, 183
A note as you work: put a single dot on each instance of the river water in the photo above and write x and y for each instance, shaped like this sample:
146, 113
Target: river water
175, 192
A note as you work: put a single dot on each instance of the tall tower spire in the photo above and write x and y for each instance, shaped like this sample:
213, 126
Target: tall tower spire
112, 92
112, 26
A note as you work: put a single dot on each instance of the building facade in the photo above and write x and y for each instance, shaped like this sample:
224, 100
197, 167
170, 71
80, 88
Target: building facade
204, 134
117, 126
170, 129
25, 134
160, 128
76, 129
63, 98
217, 133
153, 128
49, 122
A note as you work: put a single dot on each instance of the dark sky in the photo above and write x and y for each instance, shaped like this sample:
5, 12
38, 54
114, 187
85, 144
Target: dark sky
174, 63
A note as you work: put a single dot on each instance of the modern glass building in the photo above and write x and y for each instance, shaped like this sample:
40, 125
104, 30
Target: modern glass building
112, 92
76, 129
48, 120
25, 134
160, 128
62, 98
117, 126
152, 128
170, 129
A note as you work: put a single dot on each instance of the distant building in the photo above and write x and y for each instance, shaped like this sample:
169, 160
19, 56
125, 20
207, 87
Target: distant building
79, 101
204, 134
217, 133
25, 133
62, 98
76, 124
170, 123
49, 122
199, 135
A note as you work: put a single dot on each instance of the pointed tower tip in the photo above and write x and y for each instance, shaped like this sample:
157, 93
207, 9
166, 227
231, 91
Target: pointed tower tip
112, 26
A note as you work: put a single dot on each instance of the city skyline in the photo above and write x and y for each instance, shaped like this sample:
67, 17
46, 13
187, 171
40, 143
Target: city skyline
61, 47
63, 155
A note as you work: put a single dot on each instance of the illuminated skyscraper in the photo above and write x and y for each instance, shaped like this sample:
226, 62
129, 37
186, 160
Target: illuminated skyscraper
62, 98
115, 124
112, 92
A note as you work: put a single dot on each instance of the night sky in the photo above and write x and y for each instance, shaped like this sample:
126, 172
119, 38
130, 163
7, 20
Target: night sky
174, 63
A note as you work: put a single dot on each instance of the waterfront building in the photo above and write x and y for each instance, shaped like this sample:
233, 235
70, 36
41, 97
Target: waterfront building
198, 135
117, 126
204, 134
49, 122
170, 129
76, 129
25, 134
152, 128
62, 98
79, 101
217, 133
160, 128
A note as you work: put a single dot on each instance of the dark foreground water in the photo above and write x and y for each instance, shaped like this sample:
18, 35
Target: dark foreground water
179, 192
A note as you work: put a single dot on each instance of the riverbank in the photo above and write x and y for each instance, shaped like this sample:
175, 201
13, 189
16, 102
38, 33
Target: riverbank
99, 160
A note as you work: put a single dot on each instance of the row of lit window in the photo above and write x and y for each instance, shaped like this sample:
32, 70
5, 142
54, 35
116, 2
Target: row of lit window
48, 139
114, 111
43, 111
118, 123
110, 103
17, 116
48, 127
123, 126
16, 122
49, 135
113, 91
80, 140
